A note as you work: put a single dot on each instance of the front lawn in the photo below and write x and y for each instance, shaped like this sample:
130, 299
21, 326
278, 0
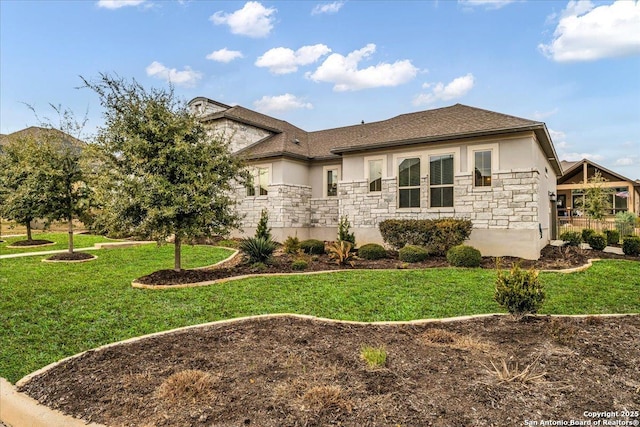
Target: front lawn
50, 311
61, 242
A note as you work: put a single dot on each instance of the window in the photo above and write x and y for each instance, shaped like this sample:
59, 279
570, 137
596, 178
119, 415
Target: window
482, 170
409, 183
332, 182
263, 181
375, 175
251, 189
259, 176
620, 198
441, 180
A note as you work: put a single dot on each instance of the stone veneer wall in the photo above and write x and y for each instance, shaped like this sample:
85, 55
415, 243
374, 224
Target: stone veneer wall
241, 135
288, 205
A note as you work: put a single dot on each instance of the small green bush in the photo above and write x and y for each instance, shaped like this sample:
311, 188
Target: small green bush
572, 238
412, 253
376, 357
291, 245
625, 221
631, 245
372, 251
299, 265
587, 233
258, 249
613, 237
258, 267
438, 236
312, 246
343, 231
464, 256
263, 230
519, 291
597, 241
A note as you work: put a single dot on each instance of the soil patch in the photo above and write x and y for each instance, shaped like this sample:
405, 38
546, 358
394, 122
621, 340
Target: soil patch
288, 371
75, 256
27, 243
551, 258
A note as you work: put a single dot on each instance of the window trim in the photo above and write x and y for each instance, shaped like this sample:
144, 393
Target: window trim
255, 176
453, 180
367, 171
325, 181
398, 160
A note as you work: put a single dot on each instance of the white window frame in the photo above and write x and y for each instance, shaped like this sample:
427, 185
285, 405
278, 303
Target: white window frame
397, 160
254, 170
453, 183
471, 161
366, 170
325, 183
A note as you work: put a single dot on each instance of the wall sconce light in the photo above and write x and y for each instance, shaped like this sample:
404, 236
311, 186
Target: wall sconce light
552, 196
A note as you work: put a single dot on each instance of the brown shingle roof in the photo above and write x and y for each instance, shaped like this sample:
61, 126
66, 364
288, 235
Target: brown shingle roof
38, 132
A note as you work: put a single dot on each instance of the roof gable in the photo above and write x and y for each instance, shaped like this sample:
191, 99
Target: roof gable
574, 173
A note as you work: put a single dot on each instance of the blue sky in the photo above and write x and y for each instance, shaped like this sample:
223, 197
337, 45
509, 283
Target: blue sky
573, 64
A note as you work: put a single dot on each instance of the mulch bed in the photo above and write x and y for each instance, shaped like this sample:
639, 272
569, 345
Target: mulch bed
27, 243
75, 256
298, 372
551, 258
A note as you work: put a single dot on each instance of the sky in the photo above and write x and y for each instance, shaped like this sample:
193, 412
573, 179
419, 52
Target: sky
574, 65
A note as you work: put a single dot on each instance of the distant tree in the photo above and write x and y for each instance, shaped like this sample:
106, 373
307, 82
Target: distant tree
597, 198
160, 173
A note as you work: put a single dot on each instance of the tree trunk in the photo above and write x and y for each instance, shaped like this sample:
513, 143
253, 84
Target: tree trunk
29, 230
70, 235
177, 256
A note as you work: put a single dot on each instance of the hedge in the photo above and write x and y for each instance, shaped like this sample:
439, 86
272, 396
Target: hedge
436, 235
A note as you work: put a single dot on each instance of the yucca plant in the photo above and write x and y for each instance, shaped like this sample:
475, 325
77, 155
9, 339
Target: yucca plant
258, 249
342, 253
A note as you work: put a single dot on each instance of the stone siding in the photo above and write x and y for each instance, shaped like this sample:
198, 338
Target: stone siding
241, 135
325, 213
289, 206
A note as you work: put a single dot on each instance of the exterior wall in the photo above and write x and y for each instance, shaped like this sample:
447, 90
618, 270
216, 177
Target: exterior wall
239, 134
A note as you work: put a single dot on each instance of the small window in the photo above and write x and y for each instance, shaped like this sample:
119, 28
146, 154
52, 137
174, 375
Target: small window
409, 183
258, 182
482, 171
263, 181
332, 182
441, 181
251, 189
375, 175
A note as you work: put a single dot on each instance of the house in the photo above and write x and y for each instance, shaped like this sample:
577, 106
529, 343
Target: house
625, 193
459, 161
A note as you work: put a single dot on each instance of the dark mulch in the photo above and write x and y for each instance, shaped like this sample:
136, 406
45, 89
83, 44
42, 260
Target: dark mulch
75, 256
35, 242
297, 372
552, 258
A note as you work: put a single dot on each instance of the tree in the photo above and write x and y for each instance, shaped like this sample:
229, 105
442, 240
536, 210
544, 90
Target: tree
597, 197
160, 173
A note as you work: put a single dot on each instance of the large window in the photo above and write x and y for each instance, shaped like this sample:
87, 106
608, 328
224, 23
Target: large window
375, 175
258, 182
409, 183
441, 181
620, 200
332, 182
482, 169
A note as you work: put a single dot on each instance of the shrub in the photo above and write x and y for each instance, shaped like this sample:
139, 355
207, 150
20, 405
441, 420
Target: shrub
372, 251
376, 357
257, 249
597, 241
263, 230
464, 256
412, 253
613, 237
519, 291
312, 246
299, 265
587, 233
631, 245
343, 231
291, 245
342, 253
625, 221
572, 238
438, 236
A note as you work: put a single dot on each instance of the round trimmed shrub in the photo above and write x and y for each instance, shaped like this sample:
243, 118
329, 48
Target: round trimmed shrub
587, 233
631, 245
299, 265
572, 238
464, 256
411, 253
597, 241
613, 237
312, 246
372, 251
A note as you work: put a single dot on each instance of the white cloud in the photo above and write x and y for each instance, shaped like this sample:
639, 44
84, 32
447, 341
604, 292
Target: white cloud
186, 78
224, 55
282, 60
117, 4
574, 157
327, 7
539, 115
253, 20
343, 71
285, 102
488, 4
586, 33
626, 161
457, 88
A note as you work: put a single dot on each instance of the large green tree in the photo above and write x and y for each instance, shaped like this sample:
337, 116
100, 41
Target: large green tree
597, 197
161, 174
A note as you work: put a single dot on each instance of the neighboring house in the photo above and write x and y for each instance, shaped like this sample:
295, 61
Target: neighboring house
499, 171
36, 133
625, 193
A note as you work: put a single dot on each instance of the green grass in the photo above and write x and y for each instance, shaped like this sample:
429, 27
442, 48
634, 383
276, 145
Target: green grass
61, 242
50, 311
